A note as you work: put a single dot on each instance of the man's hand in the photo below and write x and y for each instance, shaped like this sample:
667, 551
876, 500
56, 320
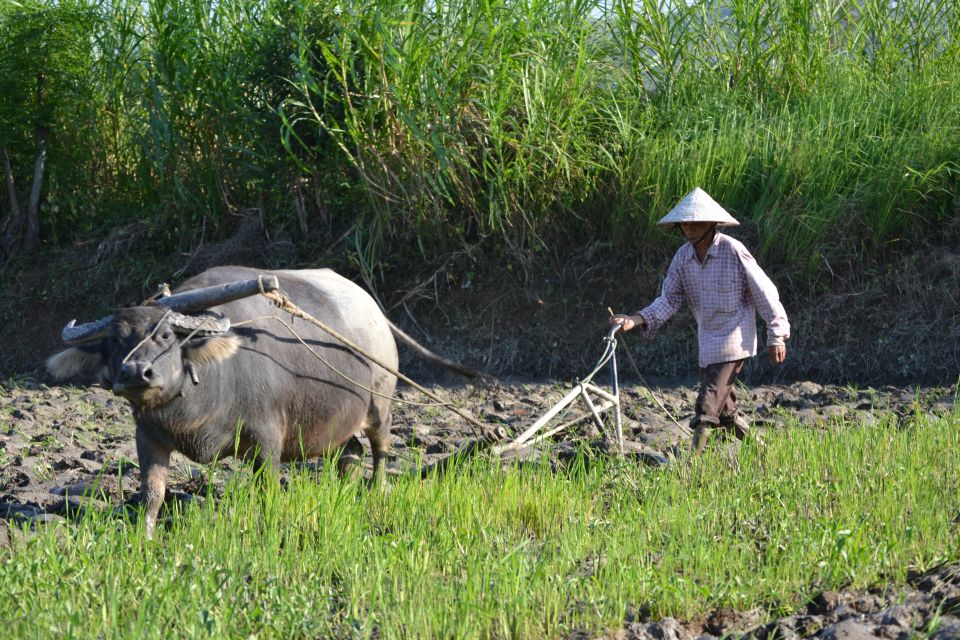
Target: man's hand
626, 322
778, 353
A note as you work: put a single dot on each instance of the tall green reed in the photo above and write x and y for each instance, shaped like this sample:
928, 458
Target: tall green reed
504, 119
826, 124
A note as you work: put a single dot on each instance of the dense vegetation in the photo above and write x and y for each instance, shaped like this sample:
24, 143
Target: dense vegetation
528, 553
427, 127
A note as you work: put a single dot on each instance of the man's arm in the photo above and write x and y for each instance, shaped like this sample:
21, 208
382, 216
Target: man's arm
767, 300
660, 310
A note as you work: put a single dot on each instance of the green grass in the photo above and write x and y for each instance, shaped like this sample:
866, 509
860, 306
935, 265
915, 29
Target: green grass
521, 553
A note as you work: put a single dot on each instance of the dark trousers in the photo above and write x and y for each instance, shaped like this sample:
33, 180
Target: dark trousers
717, 403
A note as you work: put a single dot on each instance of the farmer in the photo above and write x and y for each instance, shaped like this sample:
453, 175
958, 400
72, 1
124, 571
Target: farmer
724, 286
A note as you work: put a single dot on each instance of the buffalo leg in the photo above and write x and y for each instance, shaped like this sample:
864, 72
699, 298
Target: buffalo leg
379, 435
350, 460
154, 465
266, 466
380, 455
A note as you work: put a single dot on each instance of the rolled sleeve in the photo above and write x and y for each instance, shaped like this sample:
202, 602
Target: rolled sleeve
667, 304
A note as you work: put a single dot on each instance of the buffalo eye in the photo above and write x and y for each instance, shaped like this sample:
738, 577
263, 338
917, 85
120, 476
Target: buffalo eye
166, 336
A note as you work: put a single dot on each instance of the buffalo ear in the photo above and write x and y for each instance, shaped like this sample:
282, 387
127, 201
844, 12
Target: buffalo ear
76, 362
212, 349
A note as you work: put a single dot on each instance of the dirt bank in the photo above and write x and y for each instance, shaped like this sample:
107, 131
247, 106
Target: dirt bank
893, 321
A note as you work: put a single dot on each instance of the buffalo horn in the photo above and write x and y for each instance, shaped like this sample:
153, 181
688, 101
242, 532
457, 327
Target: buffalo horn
87, 332
198, 325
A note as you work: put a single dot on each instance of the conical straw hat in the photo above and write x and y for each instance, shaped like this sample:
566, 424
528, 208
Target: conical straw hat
698, 206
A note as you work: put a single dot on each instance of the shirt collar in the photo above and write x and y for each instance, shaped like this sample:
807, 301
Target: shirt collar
712, 251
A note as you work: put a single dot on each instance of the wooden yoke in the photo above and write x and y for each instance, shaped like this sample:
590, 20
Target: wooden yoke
195, 300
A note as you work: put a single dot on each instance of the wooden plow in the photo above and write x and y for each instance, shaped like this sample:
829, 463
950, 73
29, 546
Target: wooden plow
582, 390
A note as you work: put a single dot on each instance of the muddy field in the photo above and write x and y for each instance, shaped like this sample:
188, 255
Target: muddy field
59, 443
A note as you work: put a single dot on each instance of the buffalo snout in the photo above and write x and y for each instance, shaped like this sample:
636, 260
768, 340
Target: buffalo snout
134, 374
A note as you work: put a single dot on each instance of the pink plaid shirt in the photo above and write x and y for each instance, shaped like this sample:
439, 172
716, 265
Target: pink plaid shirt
723, 294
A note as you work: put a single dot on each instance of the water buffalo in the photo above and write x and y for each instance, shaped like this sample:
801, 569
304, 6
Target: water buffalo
235, 380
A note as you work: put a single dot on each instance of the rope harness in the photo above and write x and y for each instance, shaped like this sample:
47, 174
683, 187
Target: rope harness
149, 336
488, 433
479, 429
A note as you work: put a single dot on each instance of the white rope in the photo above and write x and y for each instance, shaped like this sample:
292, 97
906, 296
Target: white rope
348, 378
150, 335
646, 387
